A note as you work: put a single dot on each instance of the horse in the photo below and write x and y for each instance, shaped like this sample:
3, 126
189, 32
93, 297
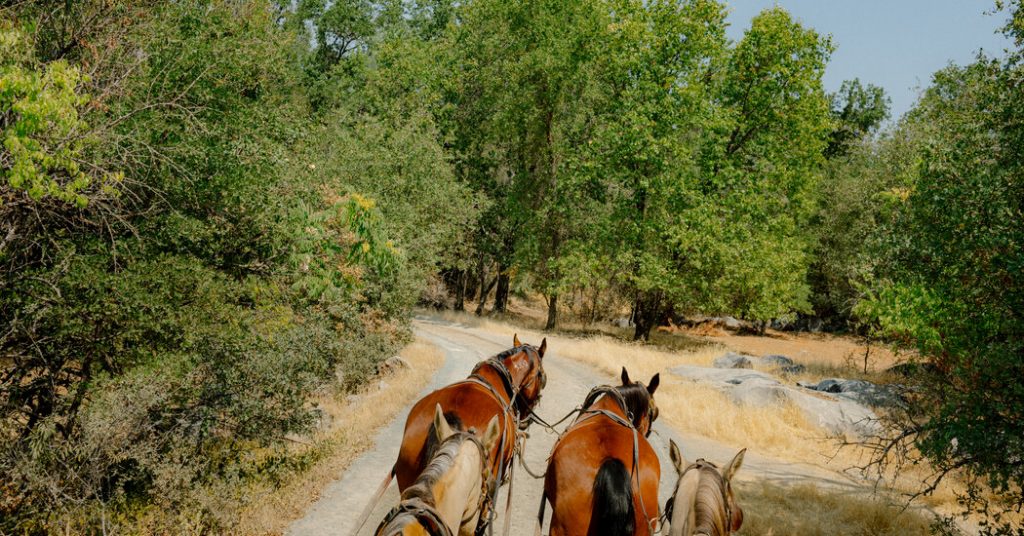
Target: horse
446, 498
703, 502
507, 385
602, 476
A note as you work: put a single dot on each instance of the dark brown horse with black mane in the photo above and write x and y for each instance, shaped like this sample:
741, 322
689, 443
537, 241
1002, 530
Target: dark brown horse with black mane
703, 502
507, 385
602, 477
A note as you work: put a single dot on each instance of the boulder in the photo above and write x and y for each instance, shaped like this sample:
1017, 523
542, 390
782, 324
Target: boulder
724, 376
392, 365
860, 391
776, 360
622, 322
733, 361
833, 413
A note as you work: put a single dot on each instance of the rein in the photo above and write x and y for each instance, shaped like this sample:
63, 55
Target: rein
614, 394
426, 514
511, 410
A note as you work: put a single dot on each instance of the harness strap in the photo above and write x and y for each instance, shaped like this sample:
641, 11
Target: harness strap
424, 514
634, 471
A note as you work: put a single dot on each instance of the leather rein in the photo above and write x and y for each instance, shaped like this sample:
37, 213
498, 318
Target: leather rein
514, 409
426, 514
628, 422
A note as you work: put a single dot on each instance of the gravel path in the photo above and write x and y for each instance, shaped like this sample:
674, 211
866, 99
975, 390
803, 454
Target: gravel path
336, 511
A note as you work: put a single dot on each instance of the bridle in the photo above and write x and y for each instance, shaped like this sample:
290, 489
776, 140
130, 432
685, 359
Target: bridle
700, 464
631, 423
516, 408
426, 514
523, 407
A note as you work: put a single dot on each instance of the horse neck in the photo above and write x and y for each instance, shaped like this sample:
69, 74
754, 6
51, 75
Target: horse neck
493, 377
450, 483
609, 404
456, 492
707, 513
684, 518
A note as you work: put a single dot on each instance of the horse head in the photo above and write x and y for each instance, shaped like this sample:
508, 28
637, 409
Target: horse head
448, 496
640, 401
525, 364
703, 502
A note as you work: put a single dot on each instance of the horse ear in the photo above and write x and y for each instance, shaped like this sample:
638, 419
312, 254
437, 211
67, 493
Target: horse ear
543, 347
733, 466
441, 428
655, 380
625, 377
490, 435
515, 341
677, 457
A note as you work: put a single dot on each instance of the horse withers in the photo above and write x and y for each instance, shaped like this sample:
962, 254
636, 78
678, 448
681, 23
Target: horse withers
602, 477
447, 497
507, 386
703, 502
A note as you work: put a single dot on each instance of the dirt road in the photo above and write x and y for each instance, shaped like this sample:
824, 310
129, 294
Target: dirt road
336, 511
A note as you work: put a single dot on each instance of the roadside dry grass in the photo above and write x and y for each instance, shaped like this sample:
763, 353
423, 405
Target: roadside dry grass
781, 432
807, 510
355, 422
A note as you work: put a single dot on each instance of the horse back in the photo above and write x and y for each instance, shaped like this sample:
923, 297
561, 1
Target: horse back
573, 470
470, 403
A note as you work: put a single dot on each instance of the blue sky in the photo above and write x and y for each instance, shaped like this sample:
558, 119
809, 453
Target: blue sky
896, 44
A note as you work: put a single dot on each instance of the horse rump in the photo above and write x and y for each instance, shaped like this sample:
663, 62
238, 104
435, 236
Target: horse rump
613, 513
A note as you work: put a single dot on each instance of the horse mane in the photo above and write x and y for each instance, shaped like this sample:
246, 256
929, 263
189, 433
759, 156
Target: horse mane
513, 351
638, 401
441, 461
431, 444
707, 501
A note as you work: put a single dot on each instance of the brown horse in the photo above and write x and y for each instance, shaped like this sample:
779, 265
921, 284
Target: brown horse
703, 502
602, 477
445, 500
507, 385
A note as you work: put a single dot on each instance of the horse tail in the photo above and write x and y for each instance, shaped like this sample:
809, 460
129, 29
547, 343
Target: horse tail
613, 513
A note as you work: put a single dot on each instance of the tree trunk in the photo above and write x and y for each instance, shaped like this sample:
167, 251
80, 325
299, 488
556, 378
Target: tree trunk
484, 292
552, 312
501, 295
460, 291
646, 314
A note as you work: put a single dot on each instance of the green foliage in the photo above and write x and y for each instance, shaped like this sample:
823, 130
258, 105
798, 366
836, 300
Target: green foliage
42, 129
857, 110
949, 281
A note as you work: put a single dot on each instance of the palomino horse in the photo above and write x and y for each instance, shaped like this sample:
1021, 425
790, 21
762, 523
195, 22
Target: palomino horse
445, 500
507, 385
703, 502
602, 477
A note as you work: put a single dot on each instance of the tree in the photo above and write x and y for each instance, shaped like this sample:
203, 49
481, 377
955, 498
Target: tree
951, 285
857, 110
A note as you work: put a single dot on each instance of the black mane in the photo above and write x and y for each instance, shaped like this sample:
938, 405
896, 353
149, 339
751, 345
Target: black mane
638, 401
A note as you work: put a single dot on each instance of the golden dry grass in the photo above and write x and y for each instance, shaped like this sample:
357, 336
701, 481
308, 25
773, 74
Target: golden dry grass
782, 432
808, 510
356, 424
